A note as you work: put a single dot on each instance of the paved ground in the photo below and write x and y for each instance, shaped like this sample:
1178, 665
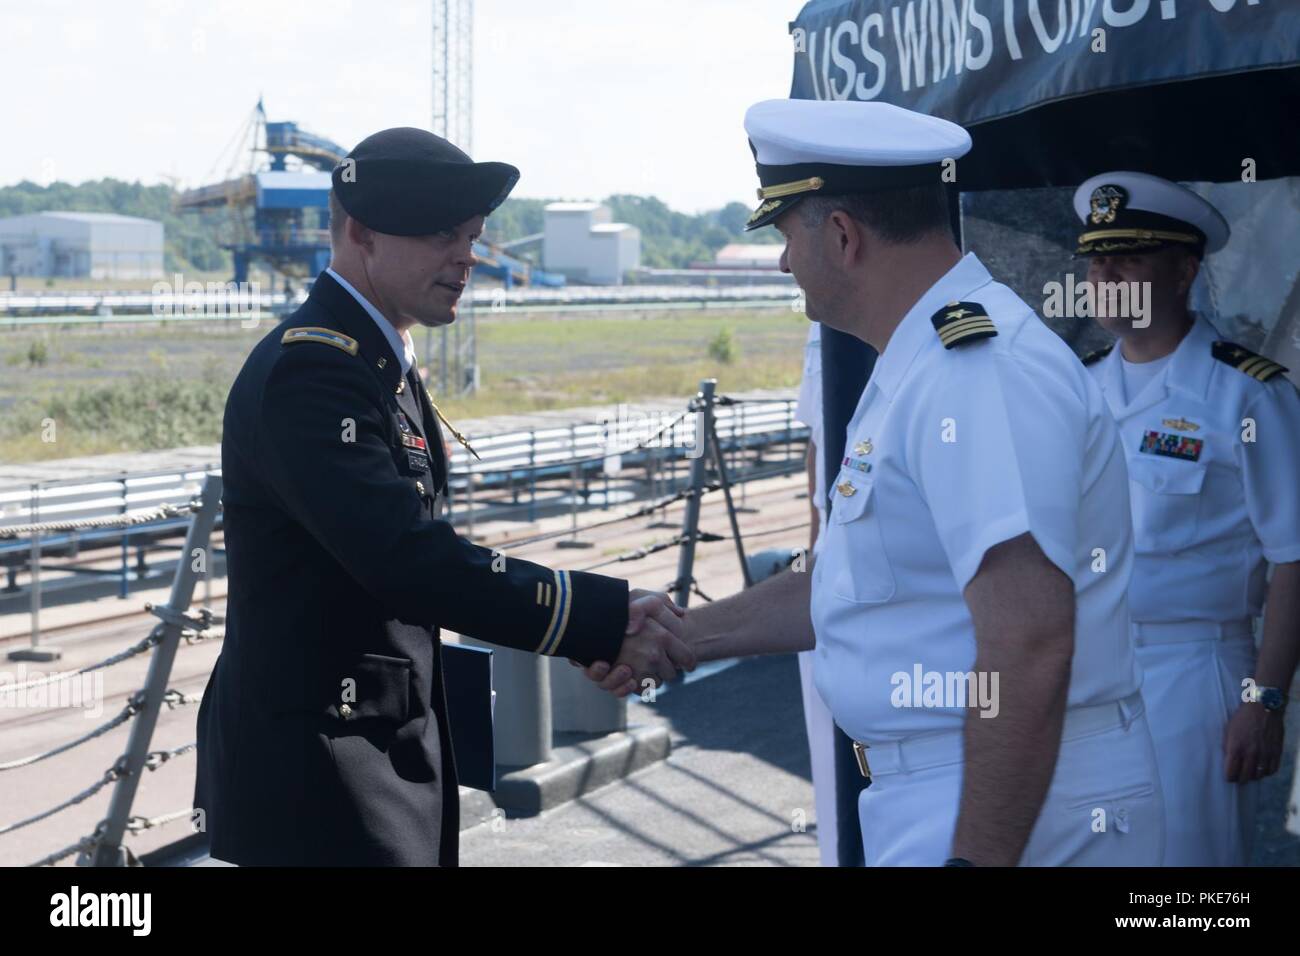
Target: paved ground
729, 795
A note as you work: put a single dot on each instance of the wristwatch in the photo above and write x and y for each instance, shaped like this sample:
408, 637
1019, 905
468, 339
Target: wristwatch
1270, 698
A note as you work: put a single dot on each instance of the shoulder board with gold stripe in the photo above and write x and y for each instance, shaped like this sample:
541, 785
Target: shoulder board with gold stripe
1096, 355
313, 333
961, 322
1247, 362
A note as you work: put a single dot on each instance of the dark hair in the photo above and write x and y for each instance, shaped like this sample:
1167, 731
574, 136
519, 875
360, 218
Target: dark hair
896, 215
338, 215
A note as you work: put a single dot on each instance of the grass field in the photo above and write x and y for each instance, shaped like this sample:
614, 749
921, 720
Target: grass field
154, 386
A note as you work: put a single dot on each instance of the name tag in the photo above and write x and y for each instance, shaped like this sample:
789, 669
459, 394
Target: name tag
1172, 446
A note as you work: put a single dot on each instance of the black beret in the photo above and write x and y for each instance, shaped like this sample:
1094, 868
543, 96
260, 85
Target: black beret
409, 182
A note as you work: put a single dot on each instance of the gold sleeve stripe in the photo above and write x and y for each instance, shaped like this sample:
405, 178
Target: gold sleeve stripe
559, 615
968, 325
1257, 366
564, 617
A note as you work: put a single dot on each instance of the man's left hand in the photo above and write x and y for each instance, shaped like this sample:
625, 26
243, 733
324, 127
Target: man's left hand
1252, 744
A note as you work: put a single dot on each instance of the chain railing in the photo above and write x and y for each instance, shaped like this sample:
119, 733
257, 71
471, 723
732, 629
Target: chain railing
105, 845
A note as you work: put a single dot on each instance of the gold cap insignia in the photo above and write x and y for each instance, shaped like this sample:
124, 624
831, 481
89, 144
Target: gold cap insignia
1106, 202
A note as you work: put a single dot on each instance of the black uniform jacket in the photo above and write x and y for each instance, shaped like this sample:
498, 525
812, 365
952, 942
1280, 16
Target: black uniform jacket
322, 735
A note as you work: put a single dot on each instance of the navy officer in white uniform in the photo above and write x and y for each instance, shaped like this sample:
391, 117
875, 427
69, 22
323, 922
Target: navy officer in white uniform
1211, 432
978, 531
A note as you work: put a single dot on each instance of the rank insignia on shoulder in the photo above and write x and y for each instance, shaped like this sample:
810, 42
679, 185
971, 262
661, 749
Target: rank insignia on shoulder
312, 333
1247, 362
960, 322
1096, 355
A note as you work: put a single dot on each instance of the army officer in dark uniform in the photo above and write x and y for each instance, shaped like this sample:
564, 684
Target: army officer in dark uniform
323, 735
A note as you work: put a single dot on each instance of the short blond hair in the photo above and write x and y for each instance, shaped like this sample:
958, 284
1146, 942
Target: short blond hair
338, 218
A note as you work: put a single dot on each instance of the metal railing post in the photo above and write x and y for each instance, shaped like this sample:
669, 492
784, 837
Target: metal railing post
699, 466
124, 585
532, 475
109, 850
572, 541
34, 651
743, 480
35, 586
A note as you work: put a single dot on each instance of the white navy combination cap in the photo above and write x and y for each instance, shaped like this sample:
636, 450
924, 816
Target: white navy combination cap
835, 147
1126, 213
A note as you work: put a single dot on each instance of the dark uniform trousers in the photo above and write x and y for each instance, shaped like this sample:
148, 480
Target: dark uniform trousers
323, 736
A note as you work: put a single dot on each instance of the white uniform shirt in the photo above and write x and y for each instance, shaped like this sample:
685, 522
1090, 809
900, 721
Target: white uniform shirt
401, 344
1211, 509
1033, 449
808, 409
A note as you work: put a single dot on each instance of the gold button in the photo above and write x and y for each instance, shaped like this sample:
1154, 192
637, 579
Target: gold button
419, 486
401, 386
345, 711
846, 489
863, 447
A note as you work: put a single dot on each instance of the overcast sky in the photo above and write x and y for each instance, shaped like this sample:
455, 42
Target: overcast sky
587, 97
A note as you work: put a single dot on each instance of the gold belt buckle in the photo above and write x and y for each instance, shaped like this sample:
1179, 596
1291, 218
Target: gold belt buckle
860, 751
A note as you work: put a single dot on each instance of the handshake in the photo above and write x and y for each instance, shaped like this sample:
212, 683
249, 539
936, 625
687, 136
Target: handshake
656, 647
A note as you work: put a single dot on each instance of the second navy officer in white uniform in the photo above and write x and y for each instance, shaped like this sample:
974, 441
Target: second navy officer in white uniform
968, 601
1211, 432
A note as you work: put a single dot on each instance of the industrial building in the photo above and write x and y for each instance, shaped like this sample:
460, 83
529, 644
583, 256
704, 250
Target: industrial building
580, 242
86, 245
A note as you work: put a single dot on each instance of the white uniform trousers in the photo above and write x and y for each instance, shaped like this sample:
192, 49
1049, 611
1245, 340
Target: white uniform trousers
1192, 684
821, 749
1103, 807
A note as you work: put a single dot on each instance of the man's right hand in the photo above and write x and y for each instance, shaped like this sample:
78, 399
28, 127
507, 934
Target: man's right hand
654, 648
